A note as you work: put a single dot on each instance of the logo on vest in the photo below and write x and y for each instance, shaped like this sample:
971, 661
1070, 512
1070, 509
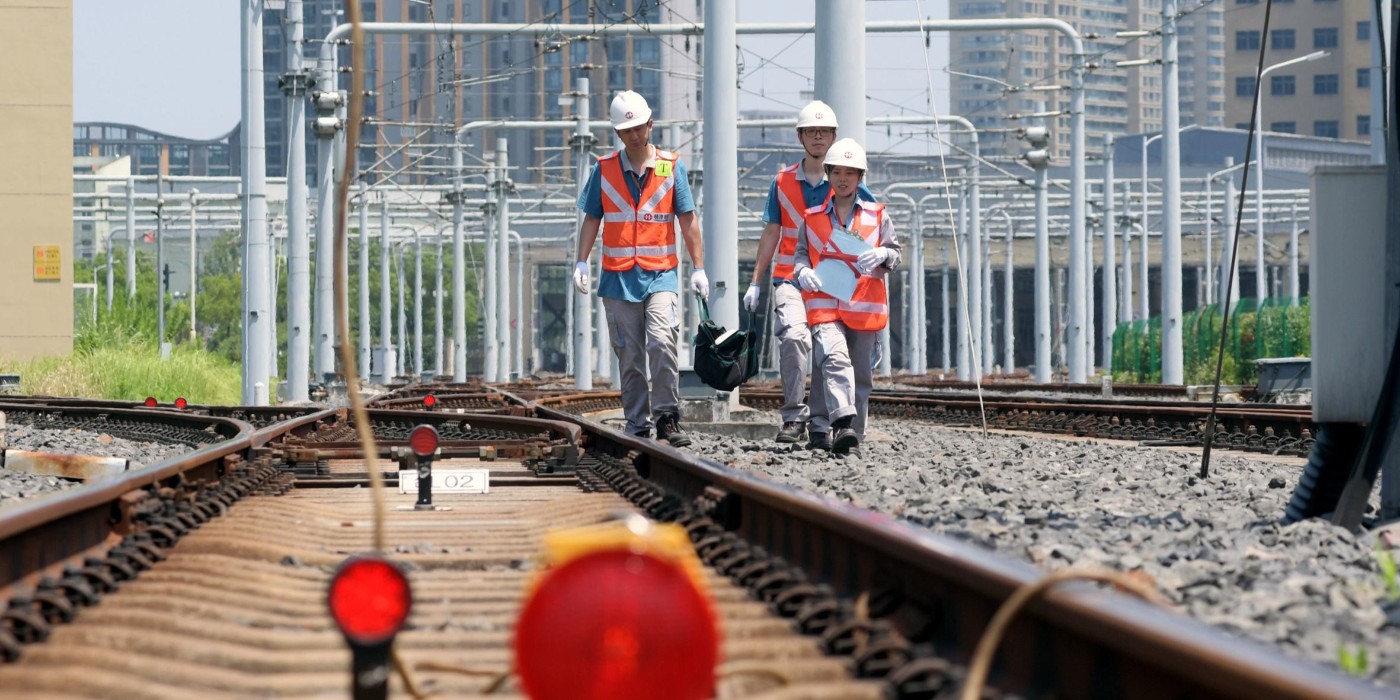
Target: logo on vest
663, 168
646, 217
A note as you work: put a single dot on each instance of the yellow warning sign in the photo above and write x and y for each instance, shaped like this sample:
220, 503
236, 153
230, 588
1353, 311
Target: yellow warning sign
48, 263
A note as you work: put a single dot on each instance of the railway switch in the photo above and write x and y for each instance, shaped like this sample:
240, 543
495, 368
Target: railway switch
369, 599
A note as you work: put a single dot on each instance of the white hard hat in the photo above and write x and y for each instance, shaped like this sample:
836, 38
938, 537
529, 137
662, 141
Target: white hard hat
816, 113
628, 110
846, 152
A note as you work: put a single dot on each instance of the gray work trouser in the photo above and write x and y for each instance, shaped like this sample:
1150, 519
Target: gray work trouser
845, 357
645, 331
795, 360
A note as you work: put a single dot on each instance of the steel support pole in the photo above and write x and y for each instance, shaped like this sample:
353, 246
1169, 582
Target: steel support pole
417, 305
1042, 278
160, 263
1126, 302
1229, 268
1210, 243
438, 312
961, 319
839, 75
1078, 184
582, 304
1008, 314
920, 303
721, 154
1261, 287
363, 291
386, 330
503, 315
1294, 284
518, 347
988, 346
1110, 257
111, 277
323, 311
130, 238
1144, 296
978, 350
298, 237
1173, 357
194, 261
946, 347
257, 308
459, 273
401, 357
491, 359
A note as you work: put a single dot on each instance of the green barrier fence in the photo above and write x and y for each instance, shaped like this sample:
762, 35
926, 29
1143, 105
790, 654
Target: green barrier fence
1257, 331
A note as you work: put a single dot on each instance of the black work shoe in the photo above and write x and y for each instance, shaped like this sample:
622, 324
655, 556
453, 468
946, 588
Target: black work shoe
644, 434
668, 428
844, 441
819, 441
791, 432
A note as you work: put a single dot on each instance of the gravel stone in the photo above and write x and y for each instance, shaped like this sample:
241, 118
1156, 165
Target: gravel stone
18, 487
1213, 545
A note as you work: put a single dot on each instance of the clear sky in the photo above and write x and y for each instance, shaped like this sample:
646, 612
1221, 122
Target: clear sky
173, 65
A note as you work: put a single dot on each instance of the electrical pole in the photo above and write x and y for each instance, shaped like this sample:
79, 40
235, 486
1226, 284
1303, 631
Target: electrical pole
363, 292
1173, 354
582, 304
1110, 257
194, 262
294, 86
1038, 157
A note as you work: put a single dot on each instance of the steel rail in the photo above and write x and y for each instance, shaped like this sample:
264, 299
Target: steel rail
936, 595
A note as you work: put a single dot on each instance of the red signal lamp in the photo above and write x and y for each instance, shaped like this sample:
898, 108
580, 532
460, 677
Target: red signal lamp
423, 441
615, 623
430, 402
151, 402
181, 403
369, 599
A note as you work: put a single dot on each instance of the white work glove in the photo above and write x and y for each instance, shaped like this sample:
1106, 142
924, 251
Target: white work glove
699, 283
581, 277
871, 259
751, 298
808, 280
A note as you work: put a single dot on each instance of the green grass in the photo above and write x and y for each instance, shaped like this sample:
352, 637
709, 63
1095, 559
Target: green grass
132, 370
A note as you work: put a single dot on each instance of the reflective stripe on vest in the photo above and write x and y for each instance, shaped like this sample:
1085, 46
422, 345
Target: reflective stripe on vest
789, 191
868, 309
643, 234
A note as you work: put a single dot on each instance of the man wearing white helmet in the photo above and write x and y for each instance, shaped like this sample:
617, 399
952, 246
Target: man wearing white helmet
795, 188
845, 331
638, 195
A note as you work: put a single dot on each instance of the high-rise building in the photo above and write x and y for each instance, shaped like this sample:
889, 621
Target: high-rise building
998, 75
424, 87
1327, 97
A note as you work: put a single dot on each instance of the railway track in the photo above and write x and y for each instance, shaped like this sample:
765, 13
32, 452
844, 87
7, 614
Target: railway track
1259, 428
205, 575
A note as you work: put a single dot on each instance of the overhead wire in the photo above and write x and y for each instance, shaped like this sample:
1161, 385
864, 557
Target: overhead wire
1229, 280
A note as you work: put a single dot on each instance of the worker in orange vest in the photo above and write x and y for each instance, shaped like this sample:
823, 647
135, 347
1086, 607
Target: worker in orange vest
638, 195
845, 333
795, 188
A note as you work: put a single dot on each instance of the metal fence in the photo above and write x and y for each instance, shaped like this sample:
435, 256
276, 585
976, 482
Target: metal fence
1257, 331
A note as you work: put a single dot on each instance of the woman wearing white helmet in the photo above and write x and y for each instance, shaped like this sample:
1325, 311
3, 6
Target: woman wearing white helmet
852, 243
796, 187
638, 195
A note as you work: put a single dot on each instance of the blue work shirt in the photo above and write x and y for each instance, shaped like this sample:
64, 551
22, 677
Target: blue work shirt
812, 194
637, 283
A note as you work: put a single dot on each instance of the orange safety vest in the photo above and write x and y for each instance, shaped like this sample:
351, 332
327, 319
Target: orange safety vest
642, 234
791, 205
869, 307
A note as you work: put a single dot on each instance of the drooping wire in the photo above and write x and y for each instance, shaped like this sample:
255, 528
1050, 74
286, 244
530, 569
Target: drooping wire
973, 351
1235, 253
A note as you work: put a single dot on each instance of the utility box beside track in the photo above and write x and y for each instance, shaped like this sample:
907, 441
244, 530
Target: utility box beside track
1353, 312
